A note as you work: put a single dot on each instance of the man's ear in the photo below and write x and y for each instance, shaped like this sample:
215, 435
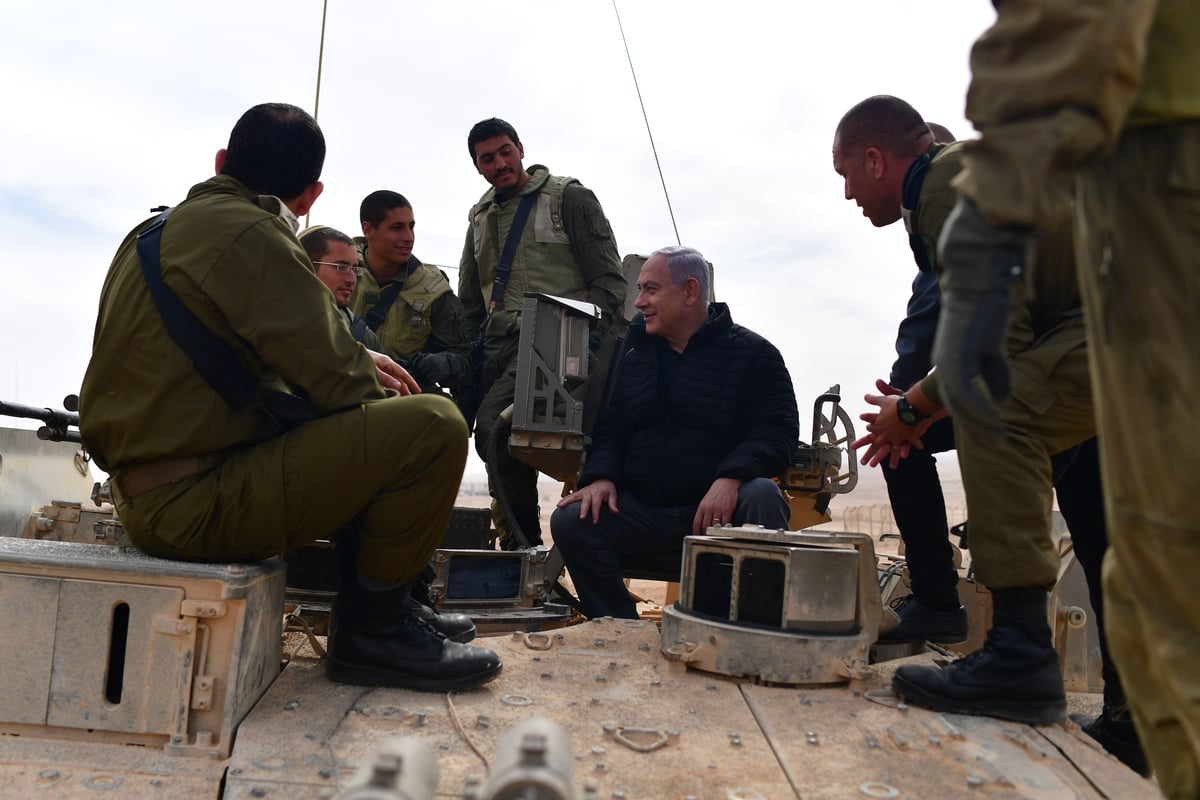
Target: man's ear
691, 292
875, 162
220, 160
366, 227
306, 199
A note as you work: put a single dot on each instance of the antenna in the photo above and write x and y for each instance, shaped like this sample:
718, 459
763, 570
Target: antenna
654, 149
320, 66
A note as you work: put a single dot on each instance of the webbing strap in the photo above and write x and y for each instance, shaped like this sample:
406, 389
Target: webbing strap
387, 296
213, 358
500, 280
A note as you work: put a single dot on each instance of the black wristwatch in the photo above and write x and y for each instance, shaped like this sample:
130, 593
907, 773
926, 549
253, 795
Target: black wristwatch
907, 414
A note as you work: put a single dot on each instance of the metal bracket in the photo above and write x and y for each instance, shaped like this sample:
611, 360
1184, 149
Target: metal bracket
206, 609
641, 740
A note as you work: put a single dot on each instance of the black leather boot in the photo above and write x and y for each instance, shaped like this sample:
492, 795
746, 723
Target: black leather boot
1015, 675
921, 623
1114, 730
455, 627
376, 640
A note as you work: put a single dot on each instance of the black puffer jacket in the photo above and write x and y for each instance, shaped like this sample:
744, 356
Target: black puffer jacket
731, 413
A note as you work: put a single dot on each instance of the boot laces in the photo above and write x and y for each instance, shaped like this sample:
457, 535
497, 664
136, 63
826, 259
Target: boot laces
427, 628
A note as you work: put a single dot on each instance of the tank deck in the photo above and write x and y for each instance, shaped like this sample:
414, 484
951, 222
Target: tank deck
686, 734
670, 733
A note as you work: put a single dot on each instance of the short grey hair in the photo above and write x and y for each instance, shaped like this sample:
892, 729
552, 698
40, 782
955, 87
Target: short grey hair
683, 263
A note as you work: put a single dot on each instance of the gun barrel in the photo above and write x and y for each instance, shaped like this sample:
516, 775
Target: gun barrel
57, 422
53, 417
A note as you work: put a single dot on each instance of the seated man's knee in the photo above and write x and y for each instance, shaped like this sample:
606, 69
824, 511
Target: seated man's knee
761, 502
565, 526
431, 416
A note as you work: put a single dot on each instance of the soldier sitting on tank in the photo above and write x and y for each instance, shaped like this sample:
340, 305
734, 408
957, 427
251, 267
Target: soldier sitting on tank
702, 414
203, 473
410, 305
335, 261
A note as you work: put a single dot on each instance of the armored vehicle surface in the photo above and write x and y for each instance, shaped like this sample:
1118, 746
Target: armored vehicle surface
128, 676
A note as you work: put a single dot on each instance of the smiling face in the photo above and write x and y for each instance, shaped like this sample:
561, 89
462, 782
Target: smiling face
869, 182
498, 160
341, 283
390, 244
671, 312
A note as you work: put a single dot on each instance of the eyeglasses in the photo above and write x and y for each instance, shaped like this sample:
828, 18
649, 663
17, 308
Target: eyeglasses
342, 267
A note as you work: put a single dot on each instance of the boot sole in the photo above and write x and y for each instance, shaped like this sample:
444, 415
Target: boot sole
339, 672
1029, 712
941, 638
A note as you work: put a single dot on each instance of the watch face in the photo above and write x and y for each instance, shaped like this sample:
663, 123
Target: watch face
907, 414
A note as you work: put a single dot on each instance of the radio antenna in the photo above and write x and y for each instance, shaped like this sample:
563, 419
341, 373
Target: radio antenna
653, 149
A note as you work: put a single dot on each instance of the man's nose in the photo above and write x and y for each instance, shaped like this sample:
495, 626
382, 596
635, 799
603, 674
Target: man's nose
640, 301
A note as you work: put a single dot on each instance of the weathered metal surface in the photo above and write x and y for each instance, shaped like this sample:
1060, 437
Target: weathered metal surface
669, 733
138, 650
641, 727
33, 472
69, 770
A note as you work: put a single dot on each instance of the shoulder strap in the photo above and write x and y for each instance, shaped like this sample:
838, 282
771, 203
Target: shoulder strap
510, 251
213, 358
378, 312
470, 395
556, 187
358, 329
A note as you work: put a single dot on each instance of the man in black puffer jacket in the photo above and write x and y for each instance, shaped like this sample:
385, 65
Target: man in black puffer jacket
702, 415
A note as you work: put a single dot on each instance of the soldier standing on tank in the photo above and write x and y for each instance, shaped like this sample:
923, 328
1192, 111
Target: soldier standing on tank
895, 170
1095, 104
408, 304
563, 246
1007, 483
201, 473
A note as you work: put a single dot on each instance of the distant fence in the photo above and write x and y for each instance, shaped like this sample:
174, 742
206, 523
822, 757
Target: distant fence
877, 519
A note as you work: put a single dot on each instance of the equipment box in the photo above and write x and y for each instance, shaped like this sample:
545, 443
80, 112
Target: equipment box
111, 644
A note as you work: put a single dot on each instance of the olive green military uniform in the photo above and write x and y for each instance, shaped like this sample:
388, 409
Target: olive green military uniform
1008, 485
390, 463
1121, 97
566, 249
426, 317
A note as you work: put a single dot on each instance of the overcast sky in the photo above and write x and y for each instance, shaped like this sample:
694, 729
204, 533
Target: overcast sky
112, 108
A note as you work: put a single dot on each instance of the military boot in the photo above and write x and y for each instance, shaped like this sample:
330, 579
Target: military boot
1114, 730
455, 627
918, 622
376, 640
1015, 675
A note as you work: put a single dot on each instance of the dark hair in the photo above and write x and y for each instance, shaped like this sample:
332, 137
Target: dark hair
486, 130
885, 122
376, 205
275, 148
316, 240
